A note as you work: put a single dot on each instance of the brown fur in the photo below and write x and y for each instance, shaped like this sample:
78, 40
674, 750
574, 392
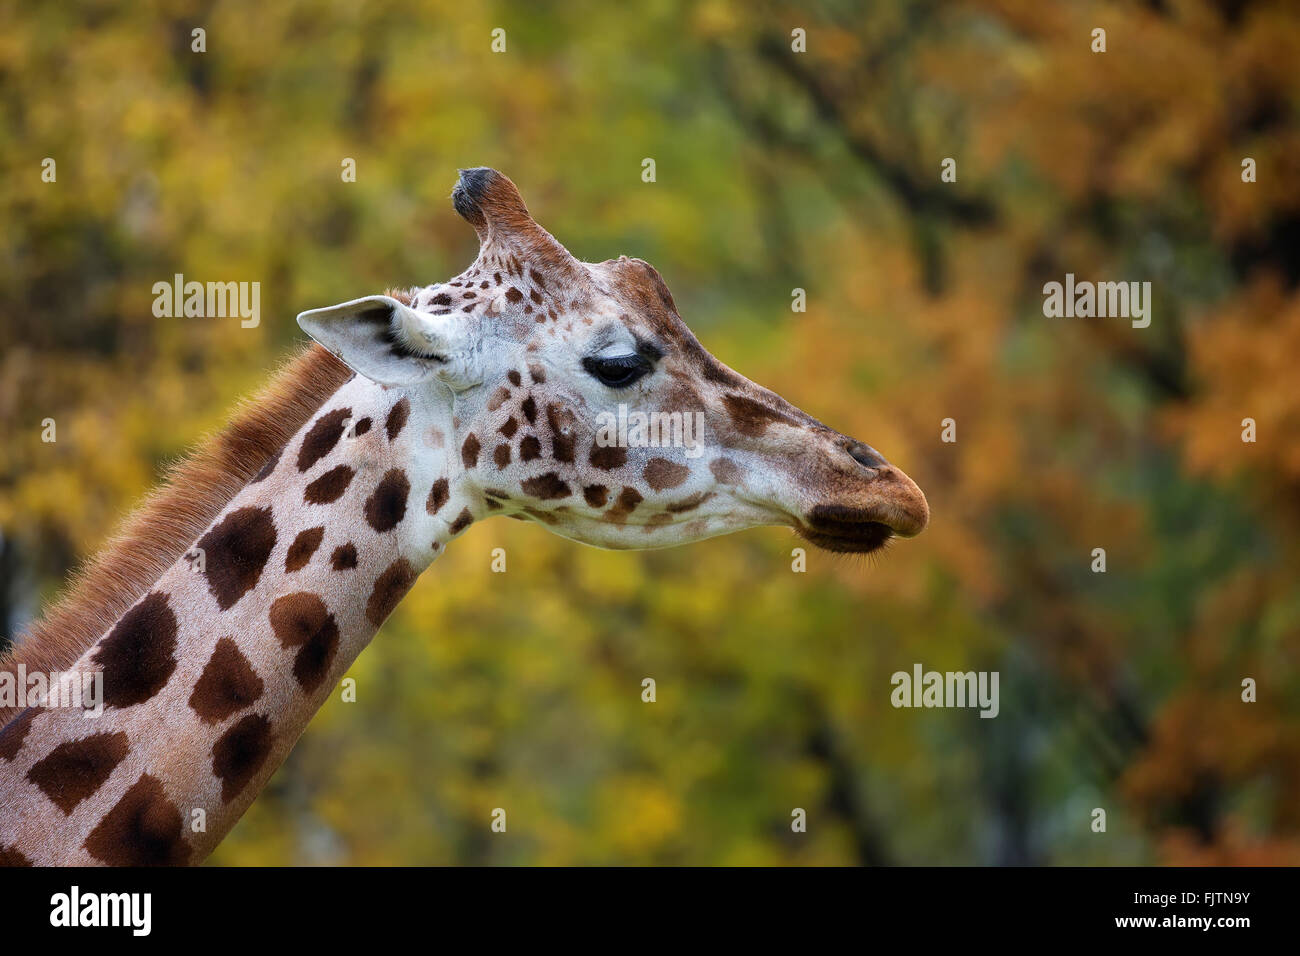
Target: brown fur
174, 514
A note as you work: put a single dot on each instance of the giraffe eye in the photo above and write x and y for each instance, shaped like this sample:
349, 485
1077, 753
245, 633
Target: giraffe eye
618, 371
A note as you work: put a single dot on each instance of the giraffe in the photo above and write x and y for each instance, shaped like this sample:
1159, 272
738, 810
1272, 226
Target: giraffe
237, 597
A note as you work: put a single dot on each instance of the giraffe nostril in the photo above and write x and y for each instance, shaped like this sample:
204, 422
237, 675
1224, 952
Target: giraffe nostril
865, 455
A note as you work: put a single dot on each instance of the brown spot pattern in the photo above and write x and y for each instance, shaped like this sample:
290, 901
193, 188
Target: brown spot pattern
138, 655
530, 448
725, 470
469, 451
228, 684
717, 373
76, 769
660, 473
303, 547
322, 437
143, 829
235, 552
438, 495
12, 856
608, 457
301, 620
560, 419
750, 417
239, 754
463, 521
344, 557
329, 487
501, 455
624, 505
14, 732
596, 495
386, 508
397, 417
390, 587
546, 487
689, 504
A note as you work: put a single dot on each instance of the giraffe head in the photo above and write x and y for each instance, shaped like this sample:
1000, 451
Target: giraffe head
580, 399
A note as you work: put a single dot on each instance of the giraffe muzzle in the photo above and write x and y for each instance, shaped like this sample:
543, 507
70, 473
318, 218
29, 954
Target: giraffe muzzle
885, 503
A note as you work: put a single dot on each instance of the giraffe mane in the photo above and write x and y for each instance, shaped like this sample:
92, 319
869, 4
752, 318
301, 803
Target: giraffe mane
173, 515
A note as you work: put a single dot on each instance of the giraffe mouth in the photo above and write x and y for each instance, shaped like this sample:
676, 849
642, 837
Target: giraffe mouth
856, 539
846, 530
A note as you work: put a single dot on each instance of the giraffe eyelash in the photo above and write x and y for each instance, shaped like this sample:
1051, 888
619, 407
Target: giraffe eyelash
619, 371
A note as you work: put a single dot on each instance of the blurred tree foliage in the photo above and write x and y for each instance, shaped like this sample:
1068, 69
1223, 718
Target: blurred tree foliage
775, 170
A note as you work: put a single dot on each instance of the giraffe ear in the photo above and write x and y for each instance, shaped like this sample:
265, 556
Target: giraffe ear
384, 340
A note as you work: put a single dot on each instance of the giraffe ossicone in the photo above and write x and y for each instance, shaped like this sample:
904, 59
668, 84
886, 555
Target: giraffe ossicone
490, 393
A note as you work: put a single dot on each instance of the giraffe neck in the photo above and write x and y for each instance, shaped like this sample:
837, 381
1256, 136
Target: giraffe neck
209, 680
